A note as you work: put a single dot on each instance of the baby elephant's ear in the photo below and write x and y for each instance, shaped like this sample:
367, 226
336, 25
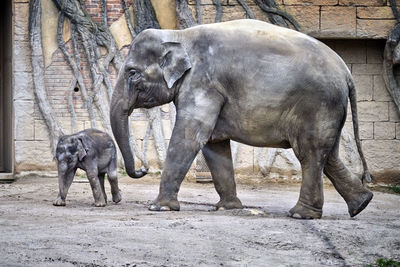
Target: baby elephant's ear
82, 149
174, 62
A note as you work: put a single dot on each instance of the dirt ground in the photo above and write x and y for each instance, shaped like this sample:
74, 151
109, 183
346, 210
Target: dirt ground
35, 233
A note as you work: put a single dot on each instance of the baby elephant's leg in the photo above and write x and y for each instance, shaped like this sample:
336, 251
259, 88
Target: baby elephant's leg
112, 178
97, 191
64, 182
101, 180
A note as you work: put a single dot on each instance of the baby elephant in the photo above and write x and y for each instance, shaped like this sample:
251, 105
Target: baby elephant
94, 152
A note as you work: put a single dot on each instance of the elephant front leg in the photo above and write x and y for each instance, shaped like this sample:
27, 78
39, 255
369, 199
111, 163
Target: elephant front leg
113, 179
180, 155
101, 180
197, 114
64, 182
188, 136
219, 160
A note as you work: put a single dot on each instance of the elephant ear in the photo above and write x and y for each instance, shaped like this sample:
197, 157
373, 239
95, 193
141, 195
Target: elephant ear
175, 62
82, 149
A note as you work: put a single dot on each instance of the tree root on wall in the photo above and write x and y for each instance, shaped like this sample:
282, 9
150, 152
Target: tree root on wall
76, 69
35, 38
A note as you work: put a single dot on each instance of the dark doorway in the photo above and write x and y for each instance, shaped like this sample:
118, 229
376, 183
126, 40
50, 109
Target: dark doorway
6, 137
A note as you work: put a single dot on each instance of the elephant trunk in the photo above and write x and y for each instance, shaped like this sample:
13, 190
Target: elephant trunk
120, 128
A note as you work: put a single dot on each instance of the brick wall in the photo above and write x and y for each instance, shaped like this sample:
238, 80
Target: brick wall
114, 10
379, 120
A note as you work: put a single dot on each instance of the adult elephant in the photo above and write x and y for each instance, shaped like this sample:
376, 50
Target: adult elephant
247, 81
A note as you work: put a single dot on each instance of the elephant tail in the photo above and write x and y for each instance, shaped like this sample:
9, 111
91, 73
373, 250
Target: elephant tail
353, 103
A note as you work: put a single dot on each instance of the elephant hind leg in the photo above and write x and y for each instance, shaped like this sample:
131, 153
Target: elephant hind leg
219, 160
311, 198
101, 180
313, 142
312, 147
348, 185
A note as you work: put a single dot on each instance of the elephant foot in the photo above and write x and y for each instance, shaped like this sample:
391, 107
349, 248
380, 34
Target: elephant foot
116, 197
304, 211
229, 204
165, 205
100, 203
59, 202
357, 205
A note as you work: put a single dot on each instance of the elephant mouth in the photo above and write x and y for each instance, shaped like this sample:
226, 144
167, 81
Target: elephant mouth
149, 102
130, 110
146, 103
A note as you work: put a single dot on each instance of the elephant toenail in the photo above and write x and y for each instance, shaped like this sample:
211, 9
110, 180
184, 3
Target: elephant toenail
296, 216
154, 207
165, 208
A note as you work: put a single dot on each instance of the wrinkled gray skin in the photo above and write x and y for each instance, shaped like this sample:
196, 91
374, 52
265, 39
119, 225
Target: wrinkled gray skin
247, 81
94, 152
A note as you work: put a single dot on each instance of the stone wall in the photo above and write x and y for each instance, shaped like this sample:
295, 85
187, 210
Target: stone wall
350, 19
378, 115
368, 19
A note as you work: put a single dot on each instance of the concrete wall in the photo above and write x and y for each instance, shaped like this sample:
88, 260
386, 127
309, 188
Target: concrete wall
379, 120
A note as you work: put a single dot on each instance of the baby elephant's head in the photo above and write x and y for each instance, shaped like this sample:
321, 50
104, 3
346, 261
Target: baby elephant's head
70, 150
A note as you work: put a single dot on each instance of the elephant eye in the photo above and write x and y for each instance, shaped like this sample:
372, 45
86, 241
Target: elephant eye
134, 75
132, 72
69, 159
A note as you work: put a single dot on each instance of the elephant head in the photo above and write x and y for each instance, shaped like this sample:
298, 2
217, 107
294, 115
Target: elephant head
148, 78
70, 150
